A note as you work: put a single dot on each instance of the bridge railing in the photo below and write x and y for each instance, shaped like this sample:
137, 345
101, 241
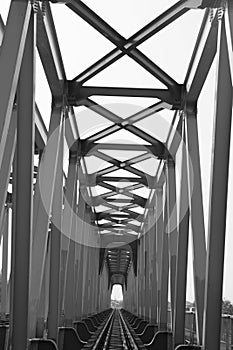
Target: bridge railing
226, 330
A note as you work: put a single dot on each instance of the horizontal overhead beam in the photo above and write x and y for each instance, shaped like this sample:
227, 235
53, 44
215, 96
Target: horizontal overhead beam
92, 147
93, 180
140, 181
128, 226
113, 203
124, 200
77, 93
123, 221
108, 216
87, 148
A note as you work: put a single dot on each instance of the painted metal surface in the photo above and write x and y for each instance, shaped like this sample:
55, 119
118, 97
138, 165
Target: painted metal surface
71, 246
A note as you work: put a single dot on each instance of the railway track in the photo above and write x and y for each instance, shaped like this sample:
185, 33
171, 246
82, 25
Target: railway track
116, 338
116, 334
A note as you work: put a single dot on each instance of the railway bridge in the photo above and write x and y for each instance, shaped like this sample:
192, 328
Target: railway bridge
82, 211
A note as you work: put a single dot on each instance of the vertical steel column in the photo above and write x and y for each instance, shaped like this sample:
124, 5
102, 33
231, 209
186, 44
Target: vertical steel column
79, 298
92, 270
182, 256
7, 160
137, 286
24, 183
164, 273
218, 198
131, 289
136, 295
13, 235
136, 291
77, 251
77, 257
172, 227
80, 228
128, 294
229, 32
159, 245
144, 274
43, 199
92, 280
62, 282
86, 254
5, 233
139, 277
100, 290
88, 280
55, 253
42, 313
70, 226
12, 49
150, 254
196, 217
69, 292
86, 275
67, 223
142, 285
98, 278
95, 276
147, 266
154, 275
104, 289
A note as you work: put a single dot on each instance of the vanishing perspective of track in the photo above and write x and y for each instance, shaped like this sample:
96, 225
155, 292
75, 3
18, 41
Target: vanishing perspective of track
115, 334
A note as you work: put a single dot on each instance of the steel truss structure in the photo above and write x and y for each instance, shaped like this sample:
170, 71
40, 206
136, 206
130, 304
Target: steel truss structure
66, 255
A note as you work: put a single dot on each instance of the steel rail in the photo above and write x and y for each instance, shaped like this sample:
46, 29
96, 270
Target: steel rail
131, 344
125, 337
98, 344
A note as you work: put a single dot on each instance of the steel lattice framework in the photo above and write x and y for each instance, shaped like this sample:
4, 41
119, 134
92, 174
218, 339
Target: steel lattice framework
58, 233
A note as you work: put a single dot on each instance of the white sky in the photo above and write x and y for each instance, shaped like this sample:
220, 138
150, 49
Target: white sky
117, 292
171, 49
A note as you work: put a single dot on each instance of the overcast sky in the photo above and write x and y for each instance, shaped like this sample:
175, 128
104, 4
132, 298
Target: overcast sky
171, 49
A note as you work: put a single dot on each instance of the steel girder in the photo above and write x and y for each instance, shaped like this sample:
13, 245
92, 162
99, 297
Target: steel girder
219, 186
215, 37
24, 183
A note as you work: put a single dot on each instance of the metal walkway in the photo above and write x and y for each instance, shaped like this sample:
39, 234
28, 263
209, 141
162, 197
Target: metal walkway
118, 203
